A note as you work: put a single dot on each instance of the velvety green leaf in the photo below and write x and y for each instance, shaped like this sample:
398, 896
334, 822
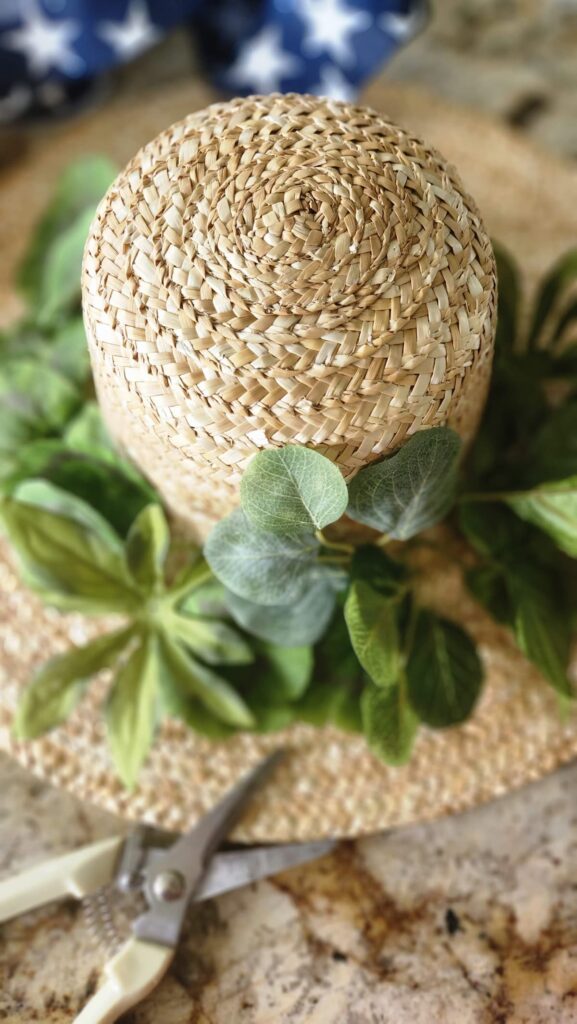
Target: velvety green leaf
59, 287
57, 687
444, 672
292, 490
132, 710
212, 640
411, 490
389, 723
561, 276
262, 567
187, 678
294, 625
147, 547
541, 625
553, 508
508, 304
67, 552
372, 621
81, 186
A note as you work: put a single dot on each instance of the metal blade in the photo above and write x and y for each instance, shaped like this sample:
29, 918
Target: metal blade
229, 871
183, 864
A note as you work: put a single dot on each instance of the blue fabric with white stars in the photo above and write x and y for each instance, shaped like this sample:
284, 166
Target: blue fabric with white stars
55, 52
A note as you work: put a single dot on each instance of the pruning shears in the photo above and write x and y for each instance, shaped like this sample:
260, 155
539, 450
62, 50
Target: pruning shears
167, 878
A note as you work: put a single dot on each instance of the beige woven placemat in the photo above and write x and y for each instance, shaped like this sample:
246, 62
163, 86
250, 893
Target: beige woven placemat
330, 784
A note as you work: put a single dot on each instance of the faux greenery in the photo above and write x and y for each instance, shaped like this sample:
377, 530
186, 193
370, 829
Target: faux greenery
279, 619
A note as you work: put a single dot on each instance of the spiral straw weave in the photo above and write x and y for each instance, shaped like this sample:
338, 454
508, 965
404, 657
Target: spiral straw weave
283, 269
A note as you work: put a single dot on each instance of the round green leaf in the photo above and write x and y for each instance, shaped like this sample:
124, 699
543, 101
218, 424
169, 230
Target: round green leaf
409, 491
263, 567
292, 625
292, 490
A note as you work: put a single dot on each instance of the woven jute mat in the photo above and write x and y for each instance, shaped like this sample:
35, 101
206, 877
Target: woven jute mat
329, 784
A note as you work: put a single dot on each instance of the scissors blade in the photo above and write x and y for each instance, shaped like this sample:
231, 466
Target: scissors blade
237, 868
184, 863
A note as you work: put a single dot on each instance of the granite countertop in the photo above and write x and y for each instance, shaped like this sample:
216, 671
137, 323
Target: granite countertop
470, 920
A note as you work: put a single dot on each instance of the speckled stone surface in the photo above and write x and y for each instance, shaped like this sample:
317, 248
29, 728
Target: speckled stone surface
472, 920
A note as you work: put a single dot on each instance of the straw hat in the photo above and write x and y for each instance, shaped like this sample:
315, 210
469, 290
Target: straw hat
283, 269
330, 784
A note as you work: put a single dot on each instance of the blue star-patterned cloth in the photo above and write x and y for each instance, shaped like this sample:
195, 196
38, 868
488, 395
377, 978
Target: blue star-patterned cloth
52, 52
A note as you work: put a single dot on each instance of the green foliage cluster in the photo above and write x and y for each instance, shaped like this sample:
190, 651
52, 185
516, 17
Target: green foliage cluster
279, 619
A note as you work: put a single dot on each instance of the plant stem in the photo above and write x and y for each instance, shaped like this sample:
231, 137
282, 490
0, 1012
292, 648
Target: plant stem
335, 545
383, 540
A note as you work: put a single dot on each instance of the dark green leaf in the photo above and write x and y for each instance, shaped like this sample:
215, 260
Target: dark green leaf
184, 678
389, 723
67, 552
27, 461
293, 625
373, 566
67, 352
285, 675
493, 530
57, 687
259, 566
541, 624
553, 508
508, 304
373, 625
561, 276
292, 490
132, 710
552, 453
147, 547
444, 673
35, 402
59, 290
409, 491
81, 186
488, 585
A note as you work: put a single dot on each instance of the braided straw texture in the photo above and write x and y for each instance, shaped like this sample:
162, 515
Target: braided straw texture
283, 269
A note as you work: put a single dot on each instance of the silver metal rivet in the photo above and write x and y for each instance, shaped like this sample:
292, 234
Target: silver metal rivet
169, 886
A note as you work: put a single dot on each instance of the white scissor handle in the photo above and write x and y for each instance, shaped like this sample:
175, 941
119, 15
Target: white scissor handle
73, 874
129, 977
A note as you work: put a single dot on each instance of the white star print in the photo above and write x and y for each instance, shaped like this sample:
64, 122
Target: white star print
45, 43
130, 37
403, 27
328, 26
334, 84
262, 62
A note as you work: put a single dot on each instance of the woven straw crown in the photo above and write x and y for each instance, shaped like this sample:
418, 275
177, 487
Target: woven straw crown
283, 269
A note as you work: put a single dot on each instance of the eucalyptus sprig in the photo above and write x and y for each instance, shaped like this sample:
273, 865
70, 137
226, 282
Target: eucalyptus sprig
284, 574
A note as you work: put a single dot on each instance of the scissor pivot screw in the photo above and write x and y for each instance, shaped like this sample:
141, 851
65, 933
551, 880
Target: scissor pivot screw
169, 886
